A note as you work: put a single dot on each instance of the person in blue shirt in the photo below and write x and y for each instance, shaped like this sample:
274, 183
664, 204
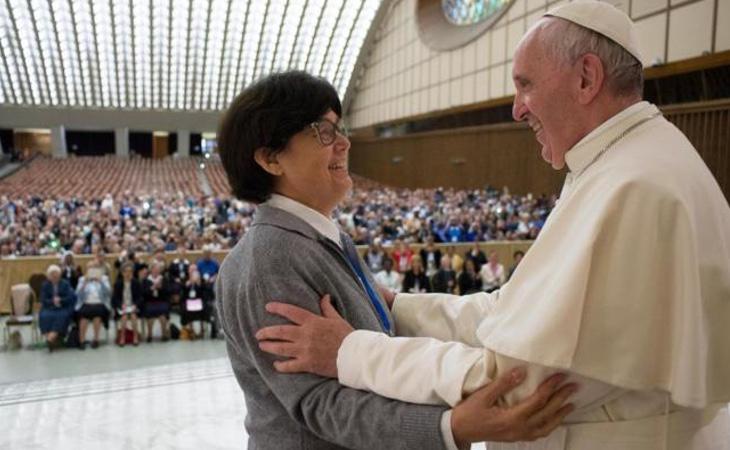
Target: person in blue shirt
207, 266
57, 307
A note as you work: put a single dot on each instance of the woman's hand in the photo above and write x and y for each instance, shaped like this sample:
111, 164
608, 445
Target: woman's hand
480, 417
311, 343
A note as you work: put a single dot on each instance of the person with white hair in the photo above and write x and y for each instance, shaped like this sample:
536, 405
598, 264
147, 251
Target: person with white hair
492, 273
57, 307
626, 290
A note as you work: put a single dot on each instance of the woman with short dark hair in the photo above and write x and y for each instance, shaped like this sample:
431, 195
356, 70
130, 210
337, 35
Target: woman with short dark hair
282, 145
263, 118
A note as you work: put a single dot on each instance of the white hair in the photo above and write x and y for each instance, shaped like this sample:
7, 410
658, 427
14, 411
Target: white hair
53, 268
567, 42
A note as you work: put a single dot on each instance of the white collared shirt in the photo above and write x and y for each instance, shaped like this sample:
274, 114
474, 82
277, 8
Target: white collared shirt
323, 224
581, 154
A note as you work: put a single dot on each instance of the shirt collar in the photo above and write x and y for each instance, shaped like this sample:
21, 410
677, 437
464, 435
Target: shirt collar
321, 223
584, 152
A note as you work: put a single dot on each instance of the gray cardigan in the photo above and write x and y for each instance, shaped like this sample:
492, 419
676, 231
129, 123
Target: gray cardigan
283, 258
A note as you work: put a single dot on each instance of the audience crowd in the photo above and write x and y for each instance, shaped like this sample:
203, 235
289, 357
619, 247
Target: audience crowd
372, 214
136, 295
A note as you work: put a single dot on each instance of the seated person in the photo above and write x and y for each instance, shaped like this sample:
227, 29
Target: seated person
156, 306
207, 265
127, 302
195, 303
476, 254
177, 273
69, 270
99, 258
492, 273
57, 306
402, 255
374, 256
415, 279
444, 280
431, 257
517, 256
389, 278
93, 302
468, 280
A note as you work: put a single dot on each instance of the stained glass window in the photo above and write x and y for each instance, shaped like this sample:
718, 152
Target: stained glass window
470, 12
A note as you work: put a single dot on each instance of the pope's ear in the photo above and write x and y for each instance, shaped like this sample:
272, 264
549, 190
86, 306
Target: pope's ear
592, 78
266, 158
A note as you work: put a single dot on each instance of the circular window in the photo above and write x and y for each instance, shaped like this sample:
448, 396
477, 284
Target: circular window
449, 24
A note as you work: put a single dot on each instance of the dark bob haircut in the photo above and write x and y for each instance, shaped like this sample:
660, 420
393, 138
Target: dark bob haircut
266, 115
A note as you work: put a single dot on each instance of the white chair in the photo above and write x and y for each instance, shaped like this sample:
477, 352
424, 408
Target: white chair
22, 314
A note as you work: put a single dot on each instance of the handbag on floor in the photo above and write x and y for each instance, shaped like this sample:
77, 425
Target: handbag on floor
72, 338
174, 332
125, 336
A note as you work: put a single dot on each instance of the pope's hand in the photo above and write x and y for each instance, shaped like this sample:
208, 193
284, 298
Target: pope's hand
311, 343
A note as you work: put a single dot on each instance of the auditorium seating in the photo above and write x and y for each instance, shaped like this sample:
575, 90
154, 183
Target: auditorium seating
97, 176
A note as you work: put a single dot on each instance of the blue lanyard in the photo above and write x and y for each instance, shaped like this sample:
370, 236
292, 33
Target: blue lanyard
355, 264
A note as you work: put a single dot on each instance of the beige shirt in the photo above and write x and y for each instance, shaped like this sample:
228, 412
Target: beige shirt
492, 277
626, 289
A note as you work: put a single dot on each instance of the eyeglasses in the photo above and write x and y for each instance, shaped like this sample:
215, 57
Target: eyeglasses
327, 131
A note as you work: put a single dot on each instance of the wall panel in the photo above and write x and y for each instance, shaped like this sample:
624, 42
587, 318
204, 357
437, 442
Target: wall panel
498, 155
668, 32
508, 155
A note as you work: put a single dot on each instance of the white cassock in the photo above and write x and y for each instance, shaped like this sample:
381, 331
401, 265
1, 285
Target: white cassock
627, 289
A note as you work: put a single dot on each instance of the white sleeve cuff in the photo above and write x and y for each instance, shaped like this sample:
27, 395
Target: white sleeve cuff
446, 432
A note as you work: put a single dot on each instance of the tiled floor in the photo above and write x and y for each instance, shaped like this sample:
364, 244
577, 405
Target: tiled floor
192, 405
174, 395
30, 365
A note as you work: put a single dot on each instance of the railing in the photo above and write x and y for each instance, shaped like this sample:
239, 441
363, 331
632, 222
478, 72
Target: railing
19, 270
707, 126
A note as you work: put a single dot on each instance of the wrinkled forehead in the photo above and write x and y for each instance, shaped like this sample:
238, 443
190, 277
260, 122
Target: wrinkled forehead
535, 36
532, 58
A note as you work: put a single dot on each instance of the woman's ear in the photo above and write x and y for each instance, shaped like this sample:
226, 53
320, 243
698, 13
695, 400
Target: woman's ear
265, 158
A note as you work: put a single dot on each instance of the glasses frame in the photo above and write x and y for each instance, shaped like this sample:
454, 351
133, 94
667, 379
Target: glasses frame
339, 129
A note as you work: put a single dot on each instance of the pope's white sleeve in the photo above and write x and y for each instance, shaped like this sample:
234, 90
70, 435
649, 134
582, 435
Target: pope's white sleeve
417, 370
428, 371
443, 316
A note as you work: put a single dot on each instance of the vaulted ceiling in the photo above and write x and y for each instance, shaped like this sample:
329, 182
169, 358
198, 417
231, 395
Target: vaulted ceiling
191, 55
